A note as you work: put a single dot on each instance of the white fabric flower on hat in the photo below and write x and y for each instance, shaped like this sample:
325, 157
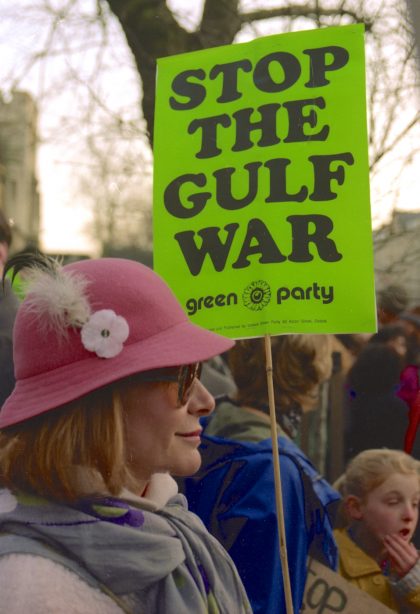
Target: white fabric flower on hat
8, 502
104, 333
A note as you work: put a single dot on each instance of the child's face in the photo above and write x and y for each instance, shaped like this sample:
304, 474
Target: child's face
393, 507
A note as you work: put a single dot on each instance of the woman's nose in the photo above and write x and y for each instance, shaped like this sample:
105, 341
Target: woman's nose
201, 401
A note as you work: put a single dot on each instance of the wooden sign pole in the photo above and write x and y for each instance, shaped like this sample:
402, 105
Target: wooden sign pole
277, 480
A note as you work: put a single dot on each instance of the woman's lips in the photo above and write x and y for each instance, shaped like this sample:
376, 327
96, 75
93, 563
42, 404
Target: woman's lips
404, 532
192, 435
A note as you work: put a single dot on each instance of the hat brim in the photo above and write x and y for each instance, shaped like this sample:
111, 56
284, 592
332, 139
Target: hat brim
181, 344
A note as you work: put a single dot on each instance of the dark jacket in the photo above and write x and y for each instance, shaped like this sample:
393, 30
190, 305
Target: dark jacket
8, 307
378, 421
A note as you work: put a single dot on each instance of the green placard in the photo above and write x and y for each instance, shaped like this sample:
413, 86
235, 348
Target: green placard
261, 192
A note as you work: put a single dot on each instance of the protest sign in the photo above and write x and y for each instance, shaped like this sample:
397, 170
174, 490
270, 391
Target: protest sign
326, 592
261, 193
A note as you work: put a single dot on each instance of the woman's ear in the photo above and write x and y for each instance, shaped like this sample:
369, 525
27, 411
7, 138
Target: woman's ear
353, 507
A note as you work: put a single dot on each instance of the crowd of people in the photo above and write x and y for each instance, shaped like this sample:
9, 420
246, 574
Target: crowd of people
126, 487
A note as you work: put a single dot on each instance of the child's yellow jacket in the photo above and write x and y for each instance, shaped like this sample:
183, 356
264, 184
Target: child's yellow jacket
364, 572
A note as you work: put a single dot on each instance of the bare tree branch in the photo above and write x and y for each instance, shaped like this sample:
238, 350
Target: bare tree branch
310, 11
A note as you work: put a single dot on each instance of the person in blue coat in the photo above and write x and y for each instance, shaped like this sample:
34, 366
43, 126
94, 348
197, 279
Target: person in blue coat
233, 493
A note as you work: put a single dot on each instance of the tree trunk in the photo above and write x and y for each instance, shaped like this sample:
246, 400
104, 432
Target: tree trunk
152, 31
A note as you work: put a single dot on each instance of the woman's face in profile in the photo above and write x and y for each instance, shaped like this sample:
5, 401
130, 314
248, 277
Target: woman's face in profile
161, 434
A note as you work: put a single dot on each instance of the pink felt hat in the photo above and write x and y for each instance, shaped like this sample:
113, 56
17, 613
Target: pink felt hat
91, 323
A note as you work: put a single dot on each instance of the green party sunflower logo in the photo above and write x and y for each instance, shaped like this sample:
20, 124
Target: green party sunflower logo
257, 295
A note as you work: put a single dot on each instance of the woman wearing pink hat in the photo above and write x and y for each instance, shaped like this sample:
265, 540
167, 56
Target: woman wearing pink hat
106, 406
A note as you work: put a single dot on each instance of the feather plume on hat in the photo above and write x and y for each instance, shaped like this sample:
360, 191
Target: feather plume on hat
57, 298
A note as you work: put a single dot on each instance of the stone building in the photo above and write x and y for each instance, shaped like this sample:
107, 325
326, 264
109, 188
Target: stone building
19, 196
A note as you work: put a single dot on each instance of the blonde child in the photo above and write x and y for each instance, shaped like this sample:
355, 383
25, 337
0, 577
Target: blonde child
381, 495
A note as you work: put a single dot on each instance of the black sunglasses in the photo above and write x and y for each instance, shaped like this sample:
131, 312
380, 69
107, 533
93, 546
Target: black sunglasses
184, 375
